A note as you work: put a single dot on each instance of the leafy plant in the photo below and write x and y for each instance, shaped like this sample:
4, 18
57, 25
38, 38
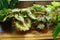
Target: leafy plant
13, 3
59, 18
56, 4
8, 4
24, 16
4, 14
23, 23
24, 26
50, 8
19, 17
29, 13
38, 7
41, 26
56, 30
5, 11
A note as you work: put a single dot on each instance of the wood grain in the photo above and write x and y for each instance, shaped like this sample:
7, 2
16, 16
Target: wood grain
39, 0
31, 35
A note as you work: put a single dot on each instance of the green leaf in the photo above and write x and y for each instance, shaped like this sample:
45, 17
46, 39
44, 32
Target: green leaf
24, 26
13, 3
38, 7
1, 4
41, 26
54, 18
31, 15
5, 4
9, 1
4, 14
31, 9
50, 8
56, 30
29, 22
56, 4
9, 16
19, 17
58, 18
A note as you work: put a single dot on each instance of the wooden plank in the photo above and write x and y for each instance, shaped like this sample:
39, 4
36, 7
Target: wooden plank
31, 35
39, 0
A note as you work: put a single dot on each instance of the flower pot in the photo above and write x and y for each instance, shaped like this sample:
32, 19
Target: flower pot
1, 28
45, 30
7, 25
20, 32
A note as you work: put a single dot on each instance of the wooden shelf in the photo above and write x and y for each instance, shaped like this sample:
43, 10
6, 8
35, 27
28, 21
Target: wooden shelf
39, 0
31, 35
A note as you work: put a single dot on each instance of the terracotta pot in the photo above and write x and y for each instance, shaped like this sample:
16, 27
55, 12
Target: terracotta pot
45, 30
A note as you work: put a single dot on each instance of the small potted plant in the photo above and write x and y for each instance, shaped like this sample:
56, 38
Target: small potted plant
21, 22
41, 27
